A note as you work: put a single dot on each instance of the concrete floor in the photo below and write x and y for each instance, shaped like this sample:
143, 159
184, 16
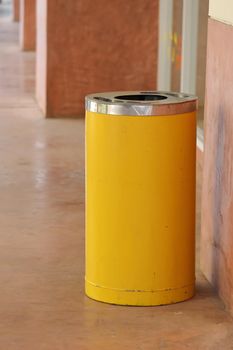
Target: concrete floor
42, 301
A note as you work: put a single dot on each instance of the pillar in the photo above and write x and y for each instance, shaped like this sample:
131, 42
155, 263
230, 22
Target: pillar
201, 51
176, 45
16, 10
28, 25
92, 46
217, 196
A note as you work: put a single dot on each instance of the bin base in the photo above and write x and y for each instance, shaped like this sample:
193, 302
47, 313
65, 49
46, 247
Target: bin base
139, 298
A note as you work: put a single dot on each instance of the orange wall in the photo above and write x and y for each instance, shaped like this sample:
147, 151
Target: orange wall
94, 46
16, 10
28, 25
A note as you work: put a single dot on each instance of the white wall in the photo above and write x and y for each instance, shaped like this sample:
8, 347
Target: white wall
221, 10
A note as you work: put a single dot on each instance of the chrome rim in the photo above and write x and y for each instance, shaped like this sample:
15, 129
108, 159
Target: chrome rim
141, 103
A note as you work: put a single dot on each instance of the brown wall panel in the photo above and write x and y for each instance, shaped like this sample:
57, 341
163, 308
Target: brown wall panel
28, 25
16, 10
98, 46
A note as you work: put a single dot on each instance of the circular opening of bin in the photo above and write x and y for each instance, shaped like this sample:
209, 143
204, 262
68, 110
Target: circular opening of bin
141, 97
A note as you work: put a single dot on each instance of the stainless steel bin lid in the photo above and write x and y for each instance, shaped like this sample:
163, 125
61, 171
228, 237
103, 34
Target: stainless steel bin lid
141, 103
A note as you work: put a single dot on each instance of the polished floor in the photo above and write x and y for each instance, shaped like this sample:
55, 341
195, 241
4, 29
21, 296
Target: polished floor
42, 301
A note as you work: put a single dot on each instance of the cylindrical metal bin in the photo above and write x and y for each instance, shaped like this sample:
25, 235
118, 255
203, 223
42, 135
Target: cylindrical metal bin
140, 197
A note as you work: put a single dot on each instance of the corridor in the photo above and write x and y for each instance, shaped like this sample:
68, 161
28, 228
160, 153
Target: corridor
42, 301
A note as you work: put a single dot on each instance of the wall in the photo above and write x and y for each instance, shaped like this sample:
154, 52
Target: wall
92, 47
217, 196
28, 25
41, 64
15, 5
201, 50
221, 10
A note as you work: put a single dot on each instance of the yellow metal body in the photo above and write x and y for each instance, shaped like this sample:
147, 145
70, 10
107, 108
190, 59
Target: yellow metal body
140, 208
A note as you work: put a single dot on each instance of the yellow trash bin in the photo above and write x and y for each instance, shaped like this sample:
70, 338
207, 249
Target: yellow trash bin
140, 197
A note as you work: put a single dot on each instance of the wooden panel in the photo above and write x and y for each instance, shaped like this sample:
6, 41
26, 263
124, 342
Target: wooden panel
98, 46
217, 204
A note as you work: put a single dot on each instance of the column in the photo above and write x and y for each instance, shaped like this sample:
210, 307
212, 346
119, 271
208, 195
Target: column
176, 43
87, 46
16, 10
28, 25
217, 202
